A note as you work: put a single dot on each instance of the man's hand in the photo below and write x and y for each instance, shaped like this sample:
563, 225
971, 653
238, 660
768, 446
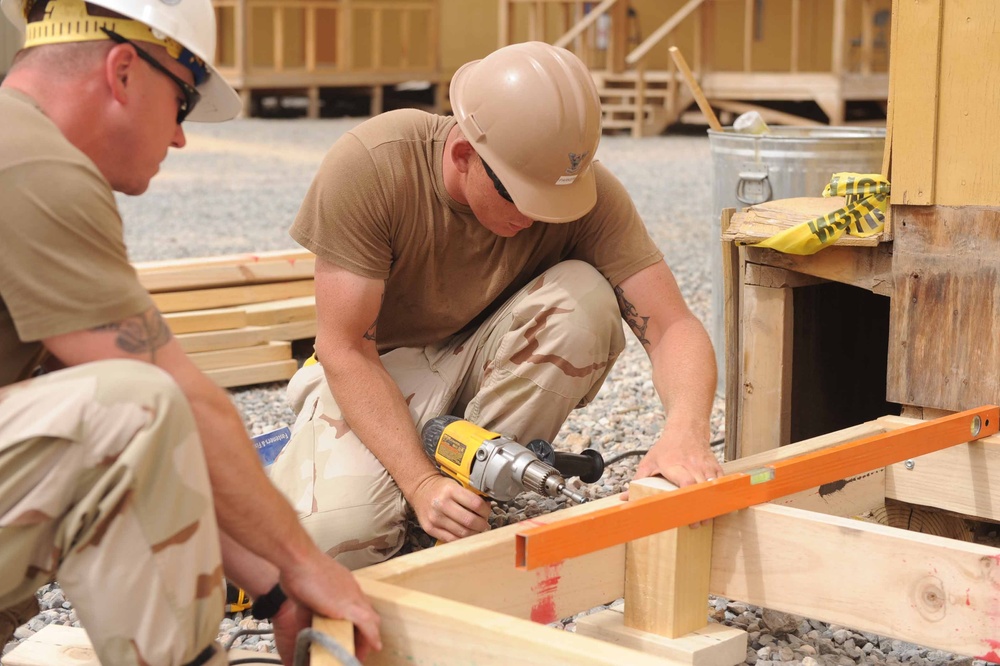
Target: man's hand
683, 458
329, 589
447, 511
289, 621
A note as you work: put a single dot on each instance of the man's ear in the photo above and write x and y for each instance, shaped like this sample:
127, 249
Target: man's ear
462, 154
118, 65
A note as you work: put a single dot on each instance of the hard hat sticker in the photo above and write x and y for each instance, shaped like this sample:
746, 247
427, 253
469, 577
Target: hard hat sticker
565, 180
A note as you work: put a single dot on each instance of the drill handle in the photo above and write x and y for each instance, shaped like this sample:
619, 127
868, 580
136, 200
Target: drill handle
588, 465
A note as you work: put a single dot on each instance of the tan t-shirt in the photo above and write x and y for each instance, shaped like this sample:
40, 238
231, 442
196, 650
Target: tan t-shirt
63, 263
378, 208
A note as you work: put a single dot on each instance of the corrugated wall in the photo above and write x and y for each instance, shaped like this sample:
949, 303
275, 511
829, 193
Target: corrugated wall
10, 42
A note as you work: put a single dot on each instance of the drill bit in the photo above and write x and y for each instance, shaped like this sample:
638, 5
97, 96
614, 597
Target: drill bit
576, 497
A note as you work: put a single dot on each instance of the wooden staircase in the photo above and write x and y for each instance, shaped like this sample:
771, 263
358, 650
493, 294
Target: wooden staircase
644, 104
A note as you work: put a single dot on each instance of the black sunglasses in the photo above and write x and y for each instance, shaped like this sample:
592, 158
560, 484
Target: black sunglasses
191, 94
501, 190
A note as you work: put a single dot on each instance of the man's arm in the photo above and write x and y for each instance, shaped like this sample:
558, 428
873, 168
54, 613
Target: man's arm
683, 374
272, 531
347, 309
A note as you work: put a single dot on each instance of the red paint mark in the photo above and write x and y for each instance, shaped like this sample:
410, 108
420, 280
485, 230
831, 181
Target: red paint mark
995, 558
992, 656
968, 600
544, 609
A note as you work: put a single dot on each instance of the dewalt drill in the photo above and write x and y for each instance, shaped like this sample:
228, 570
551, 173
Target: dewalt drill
498, 467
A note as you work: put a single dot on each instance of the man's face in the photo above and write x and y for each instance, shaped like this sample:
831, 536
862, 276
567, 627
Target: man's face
491, 209
155, 128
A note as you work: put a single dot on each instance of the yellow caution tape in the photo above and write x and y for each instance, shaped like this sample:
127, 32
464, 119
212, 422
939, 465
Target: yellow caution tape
863, 215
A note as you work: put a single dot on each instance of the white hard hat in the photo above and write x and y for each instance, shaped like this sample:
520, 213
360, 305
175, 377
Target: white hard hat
185, 27
532, 113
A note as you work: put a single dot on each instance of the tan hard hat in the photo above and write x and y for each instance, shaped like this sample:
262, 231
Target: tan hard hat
531, 111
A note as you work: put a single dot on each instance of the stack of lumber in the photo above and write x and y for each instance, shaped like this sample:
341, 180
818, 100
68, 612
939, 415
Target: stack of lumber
237, 315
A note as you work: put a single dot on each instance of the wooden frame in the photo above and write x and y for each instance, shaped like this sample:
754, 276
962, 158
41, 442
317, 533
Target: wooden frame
935, 591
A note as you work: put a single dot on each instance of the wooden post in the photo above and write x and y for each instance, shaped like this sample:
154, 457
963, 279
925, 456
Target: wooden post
667, 574
345, 31
707, 63
766, 381
312, 110
618, 46
279, 38
310, 26
796, 33
839, 19
748, 12
504, 23
639, 118
377, 100
867, 36
376, 38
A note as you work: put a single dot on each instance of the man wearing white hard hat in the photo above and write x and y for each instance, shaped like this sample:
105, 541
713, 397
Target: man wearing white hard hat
124, 471
478, 265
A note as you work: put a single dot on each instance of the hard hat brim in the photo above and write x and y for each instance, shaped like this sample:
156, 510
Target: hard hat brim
552, 203
219, 102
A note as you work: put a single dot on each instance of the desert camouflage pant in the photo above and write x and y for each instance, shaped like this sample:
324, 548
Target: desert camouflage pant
544, 353
103, 486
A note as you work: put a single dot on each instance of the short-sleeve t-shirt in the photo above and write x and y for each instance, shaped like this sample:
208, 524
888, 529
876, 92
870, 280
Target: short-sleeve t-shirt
378, 207
63, 262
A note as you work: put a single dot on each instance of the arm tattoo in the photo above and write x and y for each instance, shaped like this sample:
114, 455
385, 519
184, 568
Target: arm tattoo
141, 334
635, 321
370, 333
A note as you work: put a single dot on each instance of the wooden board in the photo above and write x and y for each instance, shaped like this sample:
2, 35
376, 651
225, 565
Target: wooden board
282, 311
418, 628
923, 589
944, 349
254, 270
917, 47
59, 645
203, 299
865, 267
242, 356
764, 420
197, 321
271, 371
760, 222
967, 159
231, 339
712, 645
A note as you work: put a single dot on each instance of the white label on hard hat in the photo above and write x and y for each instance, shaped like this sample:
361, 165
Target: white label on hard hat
566, 180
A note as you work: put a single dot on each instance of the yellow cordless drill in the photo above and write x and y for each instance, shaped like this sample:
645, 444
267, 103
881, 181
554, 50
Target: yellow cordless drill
498, 467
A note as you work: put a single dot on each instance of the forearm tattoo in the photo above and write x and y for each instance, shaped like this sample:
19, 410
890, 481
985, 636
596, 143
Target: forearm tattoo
141, 334
370, 333
635, 321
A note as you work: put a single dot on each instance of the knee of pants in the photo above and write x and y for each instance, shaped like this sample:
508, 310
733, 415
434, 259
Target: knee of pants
578, 286
366, 533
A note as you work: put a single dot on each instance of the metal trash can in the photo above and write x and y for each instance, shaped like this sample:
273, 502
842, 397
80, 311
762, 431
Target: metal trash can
786, 162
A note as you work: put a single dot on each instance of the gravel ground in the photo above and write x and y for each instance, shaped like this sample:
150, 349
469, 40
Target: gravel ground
236, 188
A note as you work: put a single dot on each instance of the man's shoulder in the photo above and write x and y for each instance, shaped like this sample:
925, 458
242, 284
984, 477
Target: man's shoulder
28, 136
402, 125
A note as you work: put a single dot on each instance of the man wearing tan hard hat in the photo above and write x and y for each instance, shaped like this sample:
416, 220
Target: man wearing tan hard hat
125, 475
478, 265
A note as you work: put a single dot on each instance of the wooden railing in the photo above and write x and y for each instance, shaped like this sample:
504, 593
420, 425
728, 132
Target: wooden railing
270, 37
855, 49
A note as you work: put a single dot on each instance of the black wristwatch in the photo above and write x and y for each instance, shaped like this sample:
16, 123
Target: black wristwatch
267, 605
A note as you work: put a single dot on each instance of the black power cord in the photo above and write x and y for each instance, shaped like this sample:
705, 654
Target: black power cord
641, 452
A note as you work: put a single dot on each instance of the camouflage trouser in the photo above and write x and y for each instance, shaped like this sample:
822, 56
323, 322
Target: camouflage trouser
544, 353
103, 486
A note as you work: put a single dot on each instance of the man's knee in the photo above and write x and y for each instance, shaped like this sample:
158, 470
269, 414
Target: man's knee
579, 285
369, 530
